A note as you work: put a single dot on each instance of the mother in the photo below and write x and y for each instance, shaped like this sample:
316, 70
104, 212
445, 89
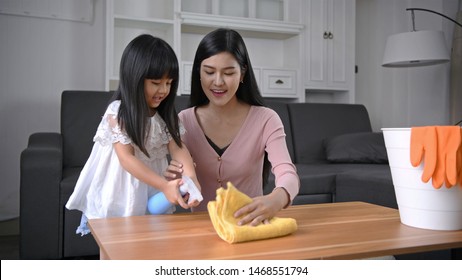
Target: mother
230, 134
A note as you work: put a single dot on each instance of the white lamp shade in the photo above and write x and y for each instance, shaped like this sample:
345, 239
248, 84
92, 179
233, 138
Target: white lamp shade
416, 48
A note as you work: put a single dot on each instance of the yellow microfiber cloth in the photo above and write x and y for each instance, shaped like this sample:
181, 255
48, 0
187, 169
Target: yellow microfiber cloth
229, 201
442, 148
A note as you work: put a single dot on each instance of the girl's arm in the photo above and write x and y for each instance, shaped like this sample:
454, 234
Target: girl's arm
182, 155
126, 155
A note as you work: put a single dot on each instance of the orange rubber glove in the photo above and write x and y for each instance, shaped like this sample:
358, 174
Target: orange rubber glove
424, 141
459, 162
448, 144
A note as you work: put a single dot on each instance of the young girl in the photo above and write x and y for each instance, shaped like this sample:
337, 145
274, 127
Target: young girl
139, 128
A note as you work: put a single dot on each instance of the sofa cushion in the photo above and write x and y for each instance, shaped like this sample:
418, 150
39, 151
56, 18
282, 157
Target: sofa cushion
317, 183
74, 244
70, 177
357, 167
372, 185
312, 199
316, 178
361, 147
311, 123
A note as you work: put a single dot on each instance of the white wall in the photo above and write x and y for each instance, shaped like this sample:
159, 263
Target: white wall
39, 58
401, 97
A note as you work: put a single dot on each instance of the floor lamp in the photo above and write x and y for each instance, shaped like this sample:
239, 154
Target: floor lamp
456, 74
428, 47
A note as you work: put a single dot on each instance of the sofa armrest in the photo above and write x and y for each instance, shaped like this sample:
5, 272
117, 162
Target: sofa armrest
41, 168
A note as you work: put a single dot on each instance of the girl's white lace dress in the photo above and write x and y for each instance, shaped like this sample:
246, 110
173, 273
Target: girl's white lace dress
104, 188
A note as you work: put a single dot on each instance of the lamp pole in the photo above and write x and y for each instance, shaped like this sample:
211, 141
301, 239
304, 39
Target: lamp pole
426, 10
456, 87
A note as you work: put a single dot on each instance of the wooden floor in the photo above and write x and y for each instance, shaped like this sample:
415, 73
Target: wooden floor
9, 247
9, 239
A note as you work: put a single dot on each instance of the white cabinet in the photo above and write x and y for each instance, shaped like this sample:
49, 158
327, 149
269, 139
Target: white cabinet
272, 30
329, 50
127, 19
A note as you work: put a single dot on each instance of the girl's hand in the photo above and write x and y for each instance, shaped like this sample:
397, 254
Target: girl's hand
263, 208
172, 193
174, 170
194, 203
187, 196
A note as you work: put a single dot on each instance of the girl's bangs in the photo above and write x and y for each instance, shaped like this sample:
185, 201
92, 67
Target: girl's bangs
163, 65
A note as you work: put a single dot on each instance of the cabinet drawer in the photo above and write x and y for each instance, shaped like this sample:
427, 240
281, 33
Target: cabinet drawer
279, 82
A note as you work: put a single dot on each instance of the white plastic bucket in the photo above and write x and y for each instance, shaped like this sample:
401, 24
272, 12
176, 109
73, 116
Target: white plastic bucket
420, 204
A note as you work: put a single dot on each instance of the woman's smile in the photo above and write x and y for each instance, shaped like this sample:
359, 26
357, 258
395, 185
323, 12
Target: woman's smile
217, 92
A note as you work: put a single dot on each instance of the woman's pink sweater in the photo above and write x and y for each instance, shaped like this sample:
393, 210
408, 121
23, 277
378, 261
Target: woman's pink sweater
242, 162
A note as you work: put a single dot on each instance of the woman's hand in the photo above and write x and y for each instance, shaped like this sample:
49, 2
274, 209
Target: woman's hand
263, 208
174, 170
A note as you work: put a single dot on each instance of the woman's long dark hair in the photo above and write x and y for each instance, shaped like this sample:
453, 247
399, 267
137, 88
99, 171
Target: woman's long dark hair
146, 57
219, 41
227, 40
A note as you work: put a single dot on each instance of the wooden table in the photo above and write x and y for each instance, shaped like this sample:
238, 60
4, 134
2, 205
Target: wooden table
348, 230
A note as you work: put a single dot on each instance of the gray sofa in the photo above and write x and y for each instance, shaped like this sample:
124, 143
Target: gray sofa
338, 157
329, 172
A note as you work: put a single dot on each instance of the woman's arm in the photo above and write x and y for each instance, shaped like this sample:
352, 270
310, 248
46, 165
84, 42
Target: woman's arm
263, 208
126, 156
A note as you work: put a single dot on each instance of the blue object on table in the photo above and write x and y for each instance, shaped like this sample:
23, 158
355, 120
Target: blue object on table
158, 203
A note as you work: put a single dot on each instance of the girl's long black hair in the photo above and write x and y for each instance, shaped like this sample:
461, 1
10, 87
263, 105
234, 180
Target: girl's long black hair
230, 41
146, 57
